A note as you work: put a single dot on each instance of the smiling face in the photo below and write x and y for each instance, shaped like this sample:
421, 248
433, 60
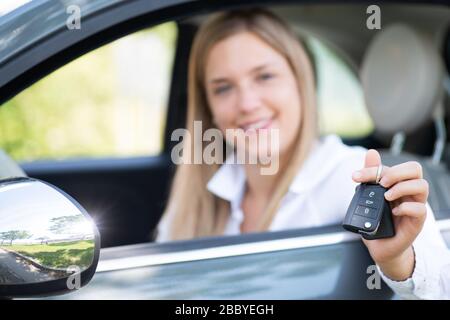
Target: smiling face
250, 86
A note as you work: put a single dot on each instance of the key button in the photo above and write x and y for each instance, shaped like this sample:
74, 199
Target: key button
367, 202
366, 212
373, 193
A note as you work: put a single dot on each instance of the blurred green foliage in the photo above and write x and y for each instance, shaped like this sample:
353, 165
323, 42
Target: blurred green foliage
340, 99
59, 255
68, 113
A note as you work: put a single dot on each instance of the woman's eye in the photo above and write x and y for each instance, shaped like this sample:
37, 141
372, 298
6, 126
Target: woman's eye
265, 76
222, 89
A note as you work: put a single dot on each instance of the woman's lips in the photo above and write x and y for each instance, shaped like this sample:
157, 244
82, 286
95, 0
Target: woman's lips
257, 125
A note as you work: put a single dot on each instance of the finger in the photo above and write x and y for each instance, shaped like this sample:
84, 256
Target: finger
416, 210
373, 159
371, 162
416, 187
404, 171
368, 174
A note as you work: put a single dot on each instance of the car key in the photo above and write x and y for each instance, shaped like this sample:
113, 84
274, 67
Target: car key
369, 213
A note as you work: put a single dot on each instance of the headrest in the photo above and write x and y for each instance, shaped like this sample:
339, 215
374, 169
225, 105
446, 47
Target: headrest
402, 78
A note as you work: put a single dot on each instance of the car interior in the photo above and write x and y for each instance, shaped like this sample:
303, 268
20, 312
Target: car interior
403, 69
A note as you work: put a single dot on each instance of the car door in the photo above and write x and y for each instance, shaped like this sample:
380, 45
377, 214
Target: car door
316, 263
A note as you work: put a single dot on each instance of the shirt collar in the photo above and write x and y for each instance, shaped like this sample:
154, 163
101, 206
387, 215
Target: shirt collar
229, 181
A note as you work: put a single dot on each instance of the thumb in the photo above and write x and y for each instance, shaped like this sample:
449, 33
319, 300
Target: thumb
373, 159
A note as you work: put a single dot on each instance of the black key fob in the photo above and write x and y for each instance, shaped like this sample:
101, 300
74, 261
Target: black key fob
369, 213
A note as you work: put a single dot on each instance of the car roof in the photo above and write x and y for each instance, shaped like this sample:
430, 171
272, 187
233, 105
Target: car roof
37, 19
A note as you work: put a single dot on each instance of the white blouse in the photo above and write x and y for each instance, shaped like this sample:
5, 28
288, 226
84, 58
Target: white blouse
319, 195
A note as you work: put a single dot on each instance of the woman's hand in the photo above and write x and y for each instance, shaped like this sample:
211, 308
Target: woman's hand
408, 193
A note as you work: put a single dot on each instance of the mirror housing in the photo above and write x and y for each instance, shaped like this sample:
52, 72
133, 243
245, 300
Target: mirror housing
48, 243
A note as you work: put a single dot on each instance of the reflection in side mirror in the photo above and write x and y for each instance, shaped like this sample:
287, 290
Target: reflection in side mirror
48, 243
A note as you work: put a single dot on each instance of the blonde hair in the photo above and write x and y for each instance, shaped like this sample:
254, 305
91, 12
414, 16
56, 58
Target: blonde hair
192, 210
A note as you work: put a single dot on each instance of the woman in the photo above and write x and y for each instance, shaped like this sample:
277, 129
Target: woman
248, 72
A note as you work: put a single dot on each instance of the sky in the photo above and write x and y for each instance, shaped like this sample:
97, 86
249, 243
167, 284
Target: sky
9, 5
31, 205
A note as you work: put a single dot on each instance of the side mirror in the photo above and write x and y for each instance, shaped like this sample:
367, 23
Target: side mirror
48, 243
